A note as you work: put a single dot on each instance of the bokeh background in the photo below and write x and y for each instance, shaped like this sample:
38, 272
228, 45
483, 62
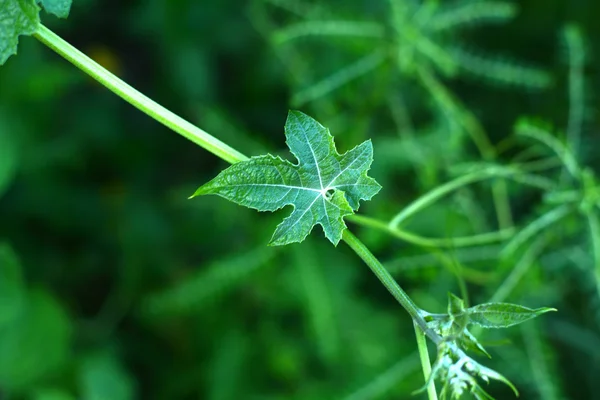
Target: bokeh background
115, 286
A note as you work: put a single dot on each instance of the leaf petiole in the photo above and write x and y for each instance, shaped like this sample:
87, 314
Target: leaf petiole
425, 362
390, 284
137, 99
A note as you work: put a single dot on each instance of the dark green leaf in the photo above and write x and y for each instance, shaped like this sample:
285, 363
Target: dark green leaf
17, 17
502, 315
103, 378
8, 153
11, 286
52, 394
60, 8
470, 342
323, 188
35, 344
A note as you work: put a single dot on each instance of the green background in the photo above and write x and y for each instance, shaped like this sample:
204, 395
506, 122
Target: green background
114, 286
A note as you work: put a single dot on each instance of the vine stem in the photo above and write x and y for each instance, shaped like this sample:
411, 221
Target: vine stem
425, 362
137, 99
439, 192
229, 154
390, 284
463, 241
472, 126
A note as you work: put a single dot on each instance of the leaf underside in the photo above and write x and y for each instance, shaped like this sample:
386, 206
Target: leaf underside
17, 17
323, 187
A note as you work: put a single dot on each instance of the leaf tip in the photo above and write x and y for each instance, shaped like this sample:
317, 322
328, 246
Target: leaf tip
197, 193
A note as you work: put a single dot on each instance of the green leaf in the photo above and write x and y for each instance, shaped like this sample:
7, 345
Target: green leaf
456, 305
35, 344
103, 378
11, 286
60, 8
502, 315
469, 342
17, 17
52, 394
8, 152
323, 187
486, 374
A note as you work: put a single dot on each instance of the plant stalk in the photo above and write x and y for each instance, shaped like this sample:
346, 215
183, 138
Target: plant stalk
436, 194
390, 284
137, 99
454, 242
425, 362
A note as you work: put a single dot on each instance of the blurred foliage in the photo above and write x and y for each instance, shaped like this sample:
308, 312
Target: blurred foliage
114, 286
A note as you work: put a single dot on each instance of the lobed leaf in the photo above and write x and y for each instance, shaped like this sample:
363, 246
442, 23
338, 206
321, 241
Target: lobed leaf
21, 17
502, 315
323, 187
17, 17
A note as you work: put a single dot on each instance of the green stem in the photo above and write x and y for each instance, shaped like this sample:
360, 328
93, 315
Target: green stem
137, 99
425, 362
520, 269
472, 126
435, 194
547, 219
464, 241
594, 224
390, 283
577, 60
385, 383
516, 275
503, 211
486, 172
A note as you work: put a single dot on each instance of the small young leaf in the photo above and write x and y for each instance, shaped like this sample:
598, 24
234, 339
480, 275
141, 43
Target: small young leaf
502, 315
60, 8
456, 305
470, 342
323, 188
486, 373
17, 17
